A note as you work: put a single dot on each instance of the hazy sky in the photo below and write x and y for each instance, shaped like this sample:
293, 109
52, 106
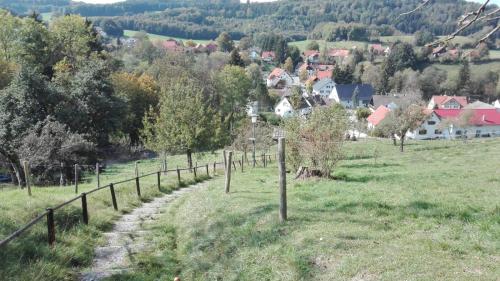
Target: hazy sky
114, 1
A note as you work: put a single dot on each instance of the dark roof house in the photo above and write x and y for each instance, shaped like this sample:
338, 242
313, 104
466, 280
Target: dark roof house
343, 94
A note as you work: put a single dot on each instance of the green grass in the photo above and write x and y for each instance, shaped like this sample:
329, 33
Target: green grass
131, 33
431, 213
302, 45
29, 258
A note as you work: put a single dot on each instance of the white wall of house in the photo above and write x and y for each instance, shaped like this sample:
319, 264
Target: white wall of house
431, 129
283, 77
284, 107
324, 87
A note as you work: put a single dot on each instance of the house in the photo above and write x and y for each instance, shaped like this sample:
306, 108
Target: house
311, 55
377, 49
377, 116
438, 51
323, 74
279, 78
284, 108
306, 67
389, 101
268, 56
447, 102
343, 94
479, 105
338, 53
481, 123
323, 87
171, 45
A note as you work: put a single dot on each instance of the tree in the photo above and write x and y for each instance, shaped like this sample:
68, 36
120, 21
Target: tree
184, 121
296, 97
288, 66
34, 44
236, 58
8, 34
343, 75
420, 38
312, 45
111, 28
316, 142
225, 42
464, 79
408, 116
294, 53
245, 43
430, 82
355, 98
140, 93
303, 75
362, 113
74, 38
7, 72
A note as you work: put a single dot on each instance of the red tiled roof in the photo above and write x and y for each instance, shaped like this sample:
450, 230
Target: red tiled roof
323, 67
277, 72
324, 74
378, 115
268, 54
338, 53
170, 45
441, 100
309, 53
377, 47
483, 117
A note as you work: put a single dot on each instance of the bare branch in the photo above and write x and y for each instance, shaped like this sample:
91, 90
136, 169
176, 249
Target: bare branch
485, 37
423, 4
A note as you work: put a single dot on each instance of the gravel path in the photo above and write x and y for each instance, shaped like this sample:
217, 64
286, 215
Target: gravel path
129, 236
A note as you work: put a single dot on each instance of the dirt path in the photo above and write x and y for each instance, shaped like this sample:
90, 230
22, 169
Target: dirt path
129, 236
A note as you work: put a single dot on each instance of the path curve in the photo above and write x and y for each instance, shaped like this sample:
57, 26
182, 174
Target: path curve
129, 237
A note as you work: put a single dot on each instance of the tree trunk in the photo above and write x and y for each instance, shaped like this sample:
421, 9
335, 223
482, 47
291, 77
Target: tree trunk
402, 143
17, 171
189, 158
394, 140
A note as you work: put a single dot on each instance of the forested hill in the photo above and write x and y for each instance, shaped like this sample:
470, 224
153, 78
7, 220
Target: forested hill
320, 19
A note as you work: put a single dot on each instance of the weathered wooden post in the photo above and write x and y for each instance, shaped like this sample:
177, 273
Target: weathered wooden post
242, 162
178, 176
165, 167
51, 229
85, 213
97, 174
228, 171
225, 159
208, 174
158, 179
113, 196
282, 179
215, 164
27, 178
136, 169
76, 178
138, 186
195, 169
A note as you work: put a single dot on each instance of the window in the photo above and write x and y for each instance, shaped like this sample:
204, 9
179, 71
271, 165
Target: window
431, 122
422, 132
458, 133
437, 132
478, 133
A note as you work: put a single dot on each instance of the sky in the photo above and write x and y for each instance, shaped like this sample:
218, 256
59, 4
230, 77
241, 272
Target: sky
114, 1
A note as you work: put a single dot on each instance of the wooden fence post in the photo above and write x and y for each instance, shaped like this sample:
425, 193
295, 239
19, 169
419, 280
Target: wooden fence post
208, 174
27, 178
113, 197
158, 179
165, 167
136, 169
282, 179
85, 212
51, 229
225, 159
194, 170
138, 186
228, 171
76, 178
178, 175
214, 167
97, 174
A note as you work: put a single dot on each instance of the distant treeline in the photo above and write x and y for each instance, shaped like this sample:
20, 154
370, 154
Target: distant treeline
317, 19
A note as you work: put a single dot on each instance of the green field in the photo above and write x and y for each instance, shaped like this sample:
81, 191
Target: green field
29, 258
131, 33
431, 213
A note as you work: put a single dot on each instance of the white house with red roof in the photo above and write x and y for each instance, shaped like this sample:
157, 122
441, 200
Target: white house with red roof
447, 102
268, 56
312, 56
377, 116
481, 123
279, 77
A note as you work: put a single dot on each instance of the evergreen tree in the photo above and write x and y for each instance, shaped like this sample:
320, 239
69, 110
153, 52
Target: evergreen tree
464, 79
355, 97
236, 58
343, 75
288, 66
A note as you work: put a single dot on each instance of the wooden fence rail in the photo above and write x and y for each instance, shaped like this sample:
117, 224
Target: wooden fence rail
50, 212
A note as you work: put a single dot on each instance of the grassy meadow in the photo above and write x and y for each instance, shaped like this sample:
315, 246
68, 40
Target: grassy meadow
131, 33
29, 258
430, 213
